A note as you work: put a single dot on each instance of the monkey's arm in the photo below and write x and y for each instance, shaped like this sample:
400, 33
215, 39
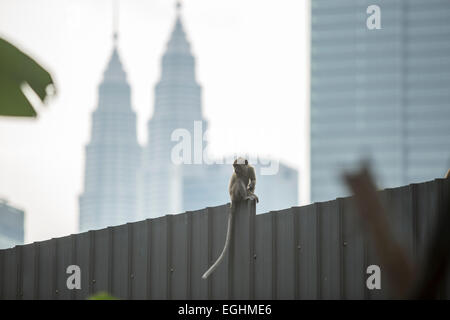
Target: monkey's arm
232, 183
252, 179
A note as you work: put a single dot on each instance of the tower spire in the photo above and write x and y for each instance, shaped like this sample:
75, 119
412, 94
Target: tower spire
115, 20
178, 6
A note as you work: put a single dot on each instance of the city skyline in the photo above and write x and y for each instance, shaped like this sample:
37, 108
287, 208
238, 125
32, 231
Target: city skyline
124, 182
50, 159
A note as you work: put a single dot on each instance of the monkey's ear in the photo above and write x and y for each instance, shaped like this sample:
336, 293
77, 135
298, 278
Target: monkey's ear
246, 162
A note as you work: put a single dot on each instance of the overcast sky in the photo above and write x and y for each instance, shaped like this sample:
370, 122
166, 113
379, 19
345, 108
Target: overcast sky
252, 59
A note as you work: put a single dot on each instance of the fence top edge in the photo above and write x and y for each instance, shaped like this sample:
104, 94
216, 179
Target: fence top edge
218, 207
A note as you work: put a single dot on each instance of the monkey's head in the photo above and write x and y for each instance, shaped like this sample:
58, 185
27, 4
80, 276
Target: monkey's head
240, 166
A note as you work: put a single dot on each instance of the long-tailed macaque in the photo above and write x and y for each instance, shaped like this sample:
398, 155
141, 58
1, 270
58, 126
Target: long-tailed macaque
242, 187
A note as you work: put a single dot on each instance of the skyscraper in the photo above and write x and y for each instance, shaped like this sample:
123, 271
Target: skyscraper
381, 94
276, 191
113, 154
11, 225
177, 105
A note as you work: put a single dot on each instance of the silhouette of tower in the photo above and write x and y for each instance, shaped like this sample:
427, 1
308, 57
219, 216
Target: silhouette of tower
112, 155
177, 105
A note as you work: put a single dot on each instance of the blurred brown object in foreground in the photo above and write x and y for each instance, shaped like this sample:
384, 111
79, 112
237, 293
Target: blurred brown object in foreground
447, 175
399, 268
393, 258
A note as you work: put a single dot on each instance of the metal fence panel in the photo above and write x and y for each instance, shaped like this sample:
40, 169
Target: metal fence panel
242, 251
353, 275
47, 269
140, 252
444, 195
29, 272
83, 252
199, 254
329, 249
402, 218
442, 201
179, 270
319, 251
264, 257
120, 261
159, 259
285, 248
64, 258
2, 271
102, 246
425, 220
217, 231
371, 255
309, 265
9, 274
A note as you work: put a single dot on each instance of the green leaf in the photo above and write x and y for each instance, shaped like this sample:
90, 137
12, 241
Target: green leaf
102, 296
17, 68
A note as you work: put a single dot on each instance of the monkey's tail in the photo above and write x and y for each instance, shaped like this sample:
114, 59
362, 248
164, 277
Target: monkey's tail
227, 241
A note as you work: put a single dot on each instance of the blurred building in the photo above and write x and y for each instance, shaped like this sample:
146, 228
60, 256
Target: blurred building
11, 225
112, 155
205, 186
276, 191
177, 105
380, 94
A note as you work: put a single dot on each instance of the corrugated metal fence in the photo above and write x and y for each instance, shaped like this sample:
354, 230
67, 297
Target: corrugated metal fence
317, 251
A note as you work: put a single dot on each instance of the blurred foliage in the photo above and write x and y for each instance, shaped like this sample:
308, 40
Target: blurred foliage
102, 296
394, 259
16, 69
409, 279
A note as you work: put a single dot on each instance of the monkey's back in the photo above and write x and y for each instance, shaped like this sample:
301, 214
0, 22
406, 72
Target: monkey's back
237, 188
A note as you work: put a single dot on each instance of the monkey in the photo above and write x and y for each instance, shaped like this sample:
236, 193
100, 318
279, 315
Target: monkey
447, 175
242, 187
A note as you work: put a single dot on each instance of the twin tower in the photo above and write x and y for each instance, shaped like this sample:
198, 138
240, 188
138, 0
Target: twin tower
124, 182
